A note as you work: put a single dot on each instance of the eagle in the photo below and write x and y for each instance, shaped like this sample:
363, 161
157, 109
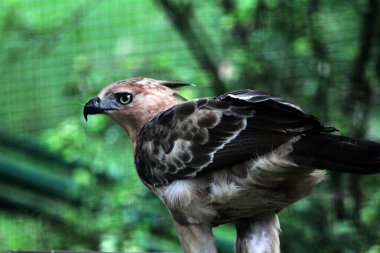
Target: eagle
238, 158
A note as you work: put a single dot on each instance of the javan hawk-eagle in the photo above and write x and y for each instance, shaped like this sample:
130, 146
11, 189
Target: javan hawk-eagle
237, 158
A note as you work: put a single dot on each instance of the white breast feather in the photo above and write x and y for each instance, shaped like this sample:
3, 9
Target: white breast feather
222, 190
179, 194
184, 196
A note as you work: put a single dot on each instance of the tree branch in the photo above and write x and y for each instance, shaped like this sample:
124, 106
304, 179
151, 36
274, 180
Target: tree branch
180, 18
358, 101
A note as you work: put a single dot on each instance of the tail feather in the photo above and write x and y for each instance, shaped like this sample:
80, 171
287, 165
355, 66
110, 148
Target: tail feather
337, 153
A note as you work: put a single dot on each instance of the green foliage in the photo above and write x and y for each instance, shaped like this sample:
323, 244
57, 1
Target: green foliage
115, 201
82, 190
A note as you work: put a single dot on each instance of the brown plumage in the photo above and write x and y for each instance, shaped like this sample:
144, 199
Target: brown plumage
238, 158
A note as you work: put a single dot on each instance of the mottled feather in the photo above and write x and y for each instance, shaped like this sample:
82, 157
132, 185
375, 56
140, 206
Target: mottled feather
238, 158
202, 135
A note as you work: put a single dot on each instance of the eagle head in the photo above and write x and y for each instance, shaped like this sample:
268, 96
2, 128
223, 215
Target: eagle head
133, 102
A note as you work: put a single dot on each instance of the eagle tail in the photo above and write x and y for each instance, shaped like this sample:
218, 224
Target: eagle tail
337, 153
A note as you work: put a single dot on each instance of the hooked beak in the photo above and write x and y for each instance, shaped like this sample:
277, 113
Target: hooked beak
92, 107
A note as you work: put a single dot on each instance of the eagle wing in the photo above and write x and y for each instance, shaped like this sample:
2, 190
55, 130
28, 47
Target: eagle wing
208, 134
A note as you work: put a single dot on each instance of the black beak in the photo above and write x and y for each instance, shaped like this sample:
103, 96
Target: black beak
92, 107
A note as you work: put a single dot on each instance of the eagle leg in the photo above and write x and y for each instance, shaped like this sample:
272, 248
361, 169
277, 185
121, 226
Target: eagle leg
196, 238
258, 235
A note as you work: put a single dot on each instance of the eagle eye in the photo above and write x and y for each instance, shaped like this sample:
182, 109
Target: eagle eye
124, 98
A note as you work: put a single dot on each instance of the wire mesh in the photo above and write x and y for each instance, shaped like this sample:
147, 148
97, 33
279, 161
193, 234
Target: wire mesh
55, 55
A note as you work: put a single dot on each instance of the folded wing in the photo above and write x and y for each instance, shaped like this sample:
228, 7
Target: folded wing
208, 134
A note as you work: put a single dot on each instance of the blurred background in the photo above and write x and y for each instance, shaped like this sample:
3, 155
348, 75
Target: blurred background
68, 185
